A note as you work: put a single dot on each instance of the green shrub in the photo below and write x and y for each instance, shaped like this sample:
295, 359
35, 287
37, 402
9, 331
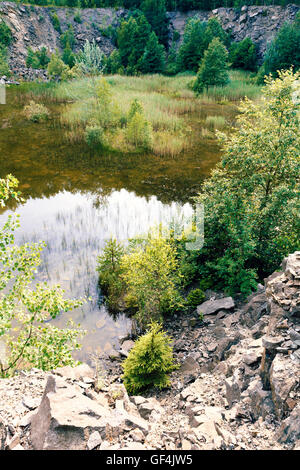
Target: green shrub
176, 35
4, 67
56, 23
150, 272
30, 339
37, 59
251, 199
195, 298
284, 50
94, 135
67, 39
56, 66
114, 64
109, 269
139, 130
91, 59
77, 17
149, 362
68, 57
5, 34
243, 55
36, 112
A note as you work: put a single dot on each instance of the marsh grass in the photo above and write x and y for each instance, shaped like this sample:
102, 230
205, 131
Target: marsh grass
168, 103
241, 85
215, 122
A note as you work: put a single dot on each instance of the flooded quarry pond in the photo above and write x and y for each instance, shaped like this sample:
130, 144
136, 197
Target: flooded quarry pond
76, 199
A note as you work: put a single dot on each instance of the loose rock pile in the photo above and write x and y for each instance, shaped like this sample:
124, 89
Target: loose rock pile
237, 388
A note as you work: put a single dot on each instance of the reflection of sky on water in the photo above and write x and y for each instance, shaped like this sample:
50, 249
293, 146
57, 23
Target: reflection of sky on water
75, 228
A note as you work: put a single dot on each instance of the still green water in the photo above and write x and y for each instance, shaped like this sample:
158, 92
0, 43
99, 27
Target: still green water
76, 199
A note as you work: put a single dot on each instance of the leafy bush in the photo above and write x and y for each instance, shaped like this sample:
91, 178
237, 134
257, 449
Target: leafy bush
5, 34
197, 37
114, 63
109, 268
30, 339
67, 38
37, 59
243, 55
77, 17
91, 59
56, 22
56, 67
4, 67
149, 361
284, 50
139, 130
94, 135
68, 57
36, 112
195, 297
152, 279
252, 198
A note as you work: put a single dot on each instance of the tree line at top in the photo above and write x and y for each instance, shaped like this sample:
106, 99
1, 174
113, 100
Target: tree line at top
170, 5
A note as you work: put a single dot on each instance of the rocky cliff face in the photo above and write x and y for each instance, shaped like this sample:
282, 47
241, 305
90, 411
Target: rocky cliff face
237, 388
32, 26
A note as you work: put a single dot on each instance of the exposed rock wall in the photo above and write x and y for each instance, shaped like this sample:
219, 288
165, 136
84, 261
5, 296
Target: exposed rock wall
32, 25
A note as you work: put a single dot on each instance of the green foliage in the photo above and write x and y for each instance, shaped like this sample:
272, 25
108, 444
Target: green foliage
67, 39
94, 135
109, 268
5, 34
68, 57
4, 67
139, 130
193, 45
77, 17
195, 297
153, 59
36, 112
90, 59
114, 63
29, 338
149, 362
284, 51
37, 59
252, 198
56, 67
132, 38
197, 37
213, 70
172, 65
56, 23
151, 278
107, 110
156, 13
243, 55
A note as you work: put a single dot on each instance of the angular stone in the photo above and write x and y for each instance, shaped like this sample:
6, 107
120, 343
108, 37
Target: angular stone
260, 400
66, 418
126, 347
284, 378
75, 373
289, 431
3, 434
213, 306
94, 440
272, 342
